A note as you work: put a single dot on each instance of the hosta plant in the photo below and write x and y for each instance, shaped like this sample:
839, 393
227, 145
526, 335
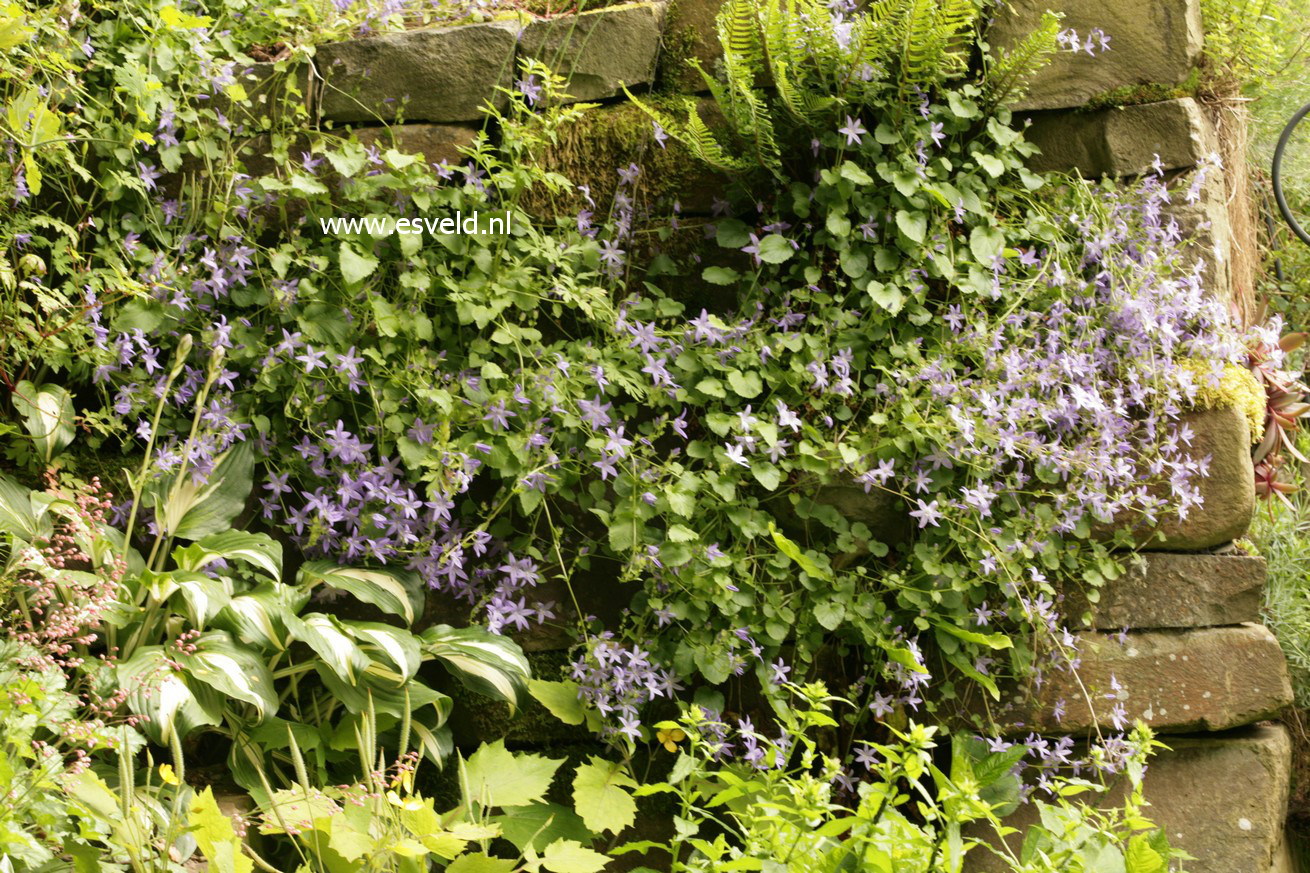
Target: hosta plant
203, 635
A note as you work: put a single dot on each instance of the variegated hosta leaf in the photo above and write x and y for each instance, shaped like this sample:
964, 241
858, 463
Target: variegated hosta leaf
49, 414
256, 549
18, 514
333, 644
427, 725
387, 645
258, 617
196, 510
436, 744
396, 592
485, 662
160, 585
244, 762
202, 596
156, 690
232, 669
388, 699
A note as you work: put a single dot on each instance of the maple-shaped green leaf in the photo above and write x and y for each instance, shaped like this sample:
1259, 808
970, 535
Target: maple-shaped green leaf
354, 266
599, 795
570, 856
480, 863
497, 777
560, 698
215, 835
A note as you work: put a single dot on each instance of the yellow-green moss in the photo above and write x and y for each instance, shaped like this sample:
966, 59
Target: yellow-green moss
1237, 387
682, 43
1150, 92
607, 138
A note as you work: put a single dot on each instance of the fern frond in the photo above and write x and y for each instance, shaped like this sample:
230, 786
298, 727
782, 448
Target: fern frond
783, 42
738, 29
931, 39
1005, 77
756, 127
695, 134
702, 143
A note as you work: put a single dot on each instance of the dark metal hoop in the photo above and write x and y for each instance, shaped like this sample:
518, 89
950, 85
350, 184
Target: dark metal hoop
1277, 173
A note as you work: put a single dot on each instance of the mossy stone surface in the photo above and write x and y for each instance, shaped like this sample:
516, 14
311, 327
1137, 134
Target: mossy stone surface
475, 719
690, 35
609, 138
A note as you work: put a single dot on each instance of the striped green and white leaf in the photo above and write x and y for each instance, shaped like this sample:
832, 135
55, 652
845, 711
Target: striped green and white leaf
193, 510
245, 761
436, 744
156, 690
203, 598
388, 646
256, 549
48, 415
335, 647
487, 663
393, 591
233, 670
19, 514
258, 617
387, 698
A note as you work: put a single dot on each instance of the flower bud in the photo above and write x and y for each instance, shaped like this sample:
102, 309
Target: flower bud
183, 352
216, 359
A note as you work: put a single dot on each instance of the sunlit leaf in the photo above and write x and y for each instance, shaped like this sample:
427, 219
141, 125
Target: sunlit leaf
496, 777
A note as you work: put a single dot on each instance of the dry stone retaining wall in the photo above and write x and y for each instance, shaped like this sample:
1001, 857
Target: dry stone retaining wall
1180, 633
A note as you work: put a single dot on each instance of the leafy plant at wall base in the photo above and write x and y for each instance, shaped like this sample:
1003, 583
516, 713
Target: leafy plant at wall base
209, 635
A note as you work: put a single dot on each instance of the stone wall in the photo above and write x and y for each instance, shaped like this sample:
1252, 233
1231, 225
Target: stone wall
1180, 634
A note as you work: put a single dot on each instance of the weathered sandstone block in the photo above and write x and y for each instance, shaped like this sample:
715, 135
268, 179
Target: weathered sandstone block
1208, 679
435, 142
1152, 42
1227, 490
1222, 799
1206, 226
1175, 591
598, 51
439, 74
1122, 140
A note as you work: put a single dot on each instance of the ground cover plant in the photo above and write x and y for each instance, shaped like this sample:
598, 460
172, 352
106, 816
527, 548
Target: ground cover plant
311, 435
